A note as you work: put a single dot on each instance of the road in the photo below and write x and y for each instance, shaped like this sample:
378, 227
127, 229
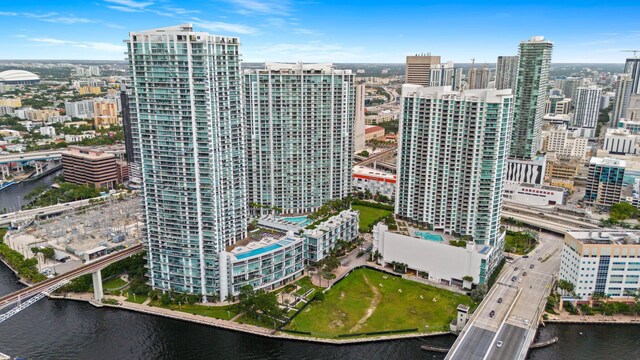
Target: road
516, 317
87, 268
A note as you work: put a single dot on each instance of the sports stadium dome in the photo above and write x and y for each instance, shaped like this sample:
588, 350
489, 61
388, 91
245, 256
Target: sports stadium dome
18, 77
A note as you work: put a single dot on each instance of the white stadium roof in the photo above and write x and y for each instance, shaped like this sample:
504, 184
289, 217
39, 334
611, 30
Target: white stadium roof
18, 75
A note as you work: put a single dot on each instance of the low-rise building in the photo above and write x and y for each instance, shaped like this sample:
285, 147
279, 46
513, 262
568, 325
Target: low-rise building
533, 195
430, 255
563, 143
632, 126
373, 132
561, 169
321, 238
621, 142
47, 131
12, 102
89, 166
605, 261
90, 90
265, 264
566, 184
374, 181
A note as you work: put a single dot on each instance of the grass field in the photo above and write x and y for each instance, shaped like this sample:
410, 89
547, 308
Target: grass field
138, 299
219, 312
358, 304
369, 216
114, 283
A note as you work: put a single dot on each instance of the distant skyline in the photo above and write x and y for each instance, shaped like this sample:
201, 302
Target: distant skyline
329, 31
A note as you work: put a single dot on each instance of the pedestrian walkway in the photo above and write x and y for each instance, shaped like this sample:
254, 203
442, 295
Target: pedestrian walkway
566, 317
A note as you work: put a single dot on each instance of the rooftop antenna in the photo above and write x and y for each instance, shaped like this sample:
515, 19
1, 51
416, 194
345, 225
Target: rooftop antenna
633, 51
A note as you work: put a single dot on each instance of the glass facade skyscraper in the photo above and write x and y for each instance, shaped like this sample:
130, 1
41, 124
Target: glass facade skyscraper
451, 161
530, 97
300, 123
187, 119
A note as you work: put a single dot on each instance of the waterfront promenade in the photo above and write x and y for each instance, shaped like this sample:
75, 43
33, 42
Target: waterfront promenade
564, 317
226, 324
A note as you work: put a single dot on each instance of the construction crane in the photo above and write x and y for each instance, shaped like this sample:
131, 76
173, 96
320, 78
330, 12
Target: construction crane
633, 51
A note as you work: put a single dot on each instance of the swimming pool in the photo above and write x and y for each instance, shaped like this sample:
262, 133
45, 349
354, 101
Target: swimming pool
298, 220
429, 236
257, 251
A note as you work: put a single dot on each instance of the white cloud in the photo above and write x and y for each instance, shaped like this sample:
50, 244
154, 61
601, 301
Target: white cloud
67, 20
307, 32
98, 46
8, 13
123, 8
131, 4
222, 26
261, 7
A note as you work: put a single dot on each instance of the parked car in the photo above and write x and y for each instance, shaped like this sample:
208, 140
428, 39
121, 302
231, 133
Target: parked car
531, 266
499, 300
499, 344
513, 278
492, 313
524, 273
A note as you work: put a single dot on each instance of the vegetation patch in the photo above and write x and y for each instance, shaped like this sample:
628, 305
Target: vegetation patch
519, 242
368, 301
369, 216
26, 268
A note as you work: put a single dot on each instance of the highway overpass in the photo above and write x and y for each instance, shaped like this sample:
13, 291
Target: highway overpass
32, 156
517, 306
555, 223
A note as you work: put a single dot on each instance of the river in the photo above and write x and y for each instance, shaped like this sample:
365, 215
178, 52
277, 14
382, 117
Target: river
63, 329
12, 198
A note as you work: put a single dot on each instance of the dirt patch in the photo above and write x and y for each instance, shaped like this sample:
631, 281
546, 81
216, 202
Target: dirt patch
372, 307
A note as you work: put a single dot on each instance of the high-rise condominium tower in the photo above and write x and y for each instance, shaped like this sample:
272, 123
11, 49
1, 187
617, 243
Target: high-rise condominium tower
632, 67
451, 160
188, 118
530, 96
300, 121
418, 69
479, 78
587, 102
506, 72
623, 96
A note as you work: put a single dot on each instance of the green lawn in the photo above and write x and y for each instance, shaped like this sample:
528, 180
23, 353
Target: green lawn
114, 283
348, 302
369, 216
138, 299
519, 243
226, 312
304, 285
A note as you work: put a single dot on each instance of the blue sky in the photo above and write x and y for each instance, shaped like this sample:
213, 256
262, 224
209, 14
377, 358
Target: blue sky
328, 31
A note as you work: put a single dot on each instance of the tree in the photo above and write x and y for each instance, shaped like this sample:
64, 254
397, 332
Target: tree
478, 293
623, 211
566, 286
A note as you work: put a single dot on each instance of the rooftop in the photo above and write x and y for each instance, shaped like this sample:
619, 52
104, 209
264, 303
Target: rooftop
606, 236
368, 129
608, 162
17, 75
363, 171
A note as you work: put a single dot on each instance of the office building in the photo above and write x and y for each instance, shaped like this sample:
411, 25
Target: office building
299, 123
187, 113
89, 166
418, 69
452, 183
602, 262
533, 195
530, 96
623, 95
568, 86
604, 183
360, 119
525, 171
587, 108
506, 72
607, 99
557, 105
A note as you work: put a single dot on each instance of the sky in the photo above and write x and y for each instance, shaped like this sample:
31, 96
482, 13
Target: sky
342, 31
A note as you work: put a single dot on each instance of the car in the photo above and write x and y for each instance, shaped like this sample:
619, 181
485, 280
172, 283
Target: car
516, 269
531, 266
513, 278
525, 257
492, 313
524, 273
537, 250
499, 344
520, 280
499, 300
526, 322
539, 259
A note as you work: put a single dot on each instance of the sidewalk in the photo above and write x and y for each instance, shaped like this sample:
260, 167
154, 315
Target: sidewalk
565, 317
